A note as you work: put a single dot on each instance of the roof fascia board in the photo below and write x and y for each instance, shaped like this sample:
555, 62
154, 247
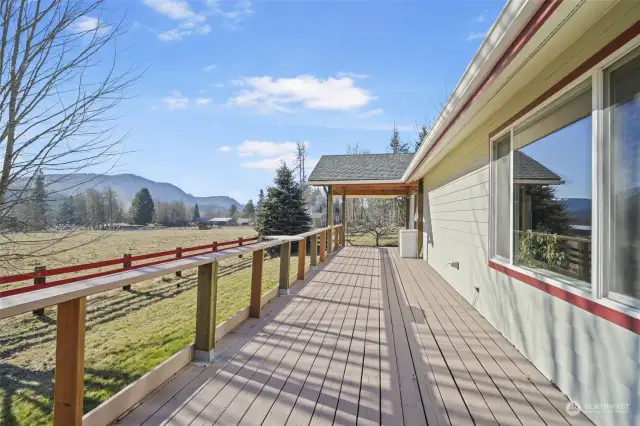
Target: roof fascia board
512, 20
354, 182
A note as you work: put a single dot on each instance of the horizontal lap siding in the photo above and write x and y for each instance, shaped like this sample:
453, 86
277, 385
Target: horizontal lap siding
590, 359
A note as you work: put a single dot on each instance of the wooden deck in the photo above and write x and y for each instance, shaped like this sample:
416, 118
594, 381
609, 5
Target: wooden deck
369, 339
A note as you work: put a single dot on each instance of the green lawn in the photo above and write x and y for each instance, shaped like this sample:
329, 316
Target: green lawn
369, 240
128, 333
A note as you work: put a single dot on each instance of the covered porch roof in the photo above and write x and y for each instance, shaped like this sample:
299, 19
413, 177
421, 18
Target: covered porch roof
364, 175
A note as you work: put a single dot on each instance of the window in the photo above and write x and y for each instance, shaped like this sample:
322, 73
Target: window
542, 169
501, 179
623, 93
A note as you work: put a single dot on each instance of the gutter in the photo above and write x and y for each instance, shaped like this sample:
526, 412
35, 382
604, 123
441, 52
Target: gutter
517, 23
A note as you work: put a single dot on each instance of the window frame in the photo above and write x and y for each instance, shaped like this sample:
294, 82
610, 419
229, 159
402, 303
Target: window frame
600, 188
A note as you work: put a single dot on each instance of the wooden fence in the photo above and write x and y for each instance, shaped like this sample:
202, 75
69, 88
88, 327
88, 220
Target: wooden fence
71, 300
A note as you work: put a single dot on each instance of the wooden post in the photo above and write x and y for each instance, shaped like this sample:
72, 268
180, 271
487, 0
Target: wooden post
240, 245
285, 255
178, 256
336, 239
206, 312
330, 218
343, 218
126, 264
215, 245
69, 374
323, 245
420, 201
255, 305
313, 246
407, 212
585, 260
36, 281
302, 258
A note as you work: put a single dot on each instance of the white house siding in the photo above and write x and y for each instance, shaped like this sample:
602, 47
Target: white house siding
591, 360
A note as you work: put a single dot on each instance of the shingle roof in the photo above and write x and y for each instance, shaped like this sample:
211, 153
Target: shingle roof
528, 169
356, 167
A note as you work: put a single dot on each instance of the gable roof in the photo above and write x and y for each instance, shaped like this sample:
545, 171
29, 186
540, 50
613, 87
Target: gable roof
360, 167
528, 170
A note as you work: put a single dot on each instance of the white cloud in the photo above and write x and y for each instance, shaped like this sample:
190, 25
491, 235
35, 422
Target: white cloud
218, 85
203, 101
269, 94
475, 36
209, 67
85, 24
371, 113
190, 23
237, 13
265, 149
224, 148
352, 75
176, 101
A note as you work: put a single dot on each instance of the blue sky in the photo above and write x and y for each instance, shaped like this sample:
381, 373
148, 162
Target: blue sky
228, 86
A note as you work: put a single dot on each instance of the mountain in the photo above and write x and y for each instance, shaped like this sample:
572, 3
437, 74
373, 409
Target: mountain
126, 185
579, 209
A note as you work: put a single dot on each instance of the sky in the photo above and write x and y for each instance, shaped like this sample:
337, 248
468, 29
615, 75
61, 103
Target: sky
227, 87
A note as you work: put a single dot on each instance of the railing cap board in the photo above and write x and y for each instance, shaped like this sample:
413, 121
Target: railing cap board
26, 302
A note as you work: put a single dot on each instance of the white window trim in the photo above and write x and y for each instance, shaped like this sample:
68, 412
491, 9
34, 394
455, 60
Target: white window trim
599, 220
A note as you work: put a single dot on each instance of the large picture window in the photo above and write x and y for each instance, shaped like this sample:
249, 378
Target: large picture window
548, 220
623, 94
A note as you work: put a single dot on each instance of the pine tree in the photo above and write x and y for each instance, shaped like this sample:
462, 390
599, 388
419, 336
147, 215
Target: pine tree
422, 134
142, 208
196, 213
66, 214
396, 146
233, 211
283, 211
249, 210
38, 203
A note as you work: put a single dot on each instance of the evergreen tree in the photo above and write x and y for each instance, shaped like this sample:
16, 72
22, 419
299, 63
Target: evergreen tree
283, 211
547, 213
233, 211
422, 133
38, 203
66, 214
396, 146
249, 210
260, 198
142, 208
196, 213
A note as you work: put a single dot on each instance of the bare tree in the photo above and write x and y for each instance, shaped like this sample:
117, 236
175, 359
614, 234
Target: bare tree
299, 163
378, 220
59, 85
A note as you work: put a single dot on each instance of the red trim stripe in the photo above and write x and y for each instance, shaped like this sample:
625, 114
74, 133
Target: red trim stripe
534, 24
604, 312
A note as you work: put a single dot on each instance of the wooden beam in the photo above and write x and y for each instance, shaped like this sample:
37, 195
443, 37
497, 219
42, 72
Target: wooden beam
407, 212
206, 312
257, 269
285, 256
302, 258
313, 250
330, 218
69, 374
323, 245
343, 218
420, 201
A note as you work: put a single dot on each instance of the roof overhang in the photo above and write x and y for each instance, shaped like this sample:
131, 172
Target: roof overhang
370, 188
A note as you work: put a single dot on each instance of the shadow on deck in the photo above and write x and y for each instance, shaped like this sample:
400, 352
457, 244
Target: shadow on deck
369, 339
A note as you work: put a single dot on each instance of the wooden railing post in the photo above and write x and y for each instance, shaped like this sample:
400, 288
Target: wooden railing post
240, 245
178, 256
330, 221
126, 264
313, 247
36, 281
302, 258
206, 312
343, 218
323, 245
585, 261
69, 374
285, 255
336, 242
255, 305
215, 245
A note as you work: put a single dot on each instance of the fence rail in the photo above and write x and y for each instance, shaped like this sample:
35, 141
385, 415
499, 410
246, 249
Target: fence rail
71, 301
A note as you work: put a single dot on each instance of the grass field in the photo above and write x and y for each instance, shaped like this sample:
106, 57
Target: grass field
128, 332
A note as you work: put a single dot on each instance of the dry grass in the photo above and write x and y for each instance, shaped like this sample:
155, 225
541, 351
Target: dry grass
369, 240
128, 333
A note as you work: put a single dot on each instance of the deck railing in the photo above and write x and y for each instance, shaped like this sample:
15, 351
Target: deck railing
71, 301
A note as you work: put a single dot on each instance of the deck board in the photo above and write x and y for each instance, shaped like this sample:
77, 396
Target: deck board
368, 339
